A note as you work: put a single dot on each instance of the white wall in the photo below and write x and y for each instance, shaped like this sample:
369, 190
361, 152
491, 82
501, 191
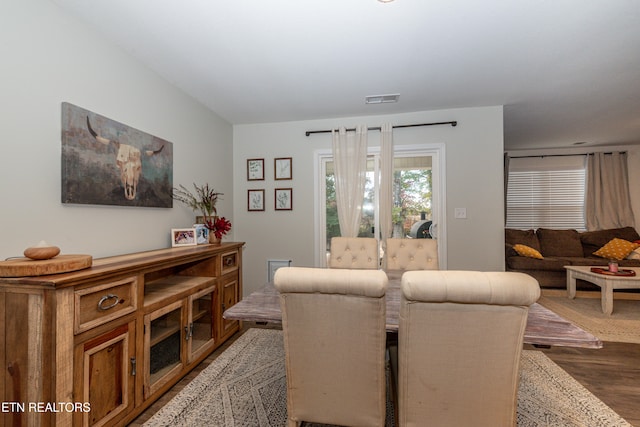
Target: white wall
48, 57
474, 180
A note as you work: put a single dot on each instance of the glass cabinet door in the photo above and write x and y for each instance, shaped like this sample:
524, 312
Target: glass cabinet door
200, 324
163, 345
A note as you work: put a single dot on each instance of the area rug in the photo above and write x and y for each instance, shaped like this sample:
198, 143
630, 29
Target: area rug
245, 386
623, 325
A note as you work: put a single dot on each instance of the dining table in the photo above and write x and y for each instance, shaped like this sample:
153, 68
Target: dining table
544, 327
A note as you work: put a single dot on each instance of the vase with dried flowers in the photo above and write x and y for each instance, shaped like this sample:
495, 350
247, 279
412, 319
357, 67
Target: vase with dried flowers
204, 200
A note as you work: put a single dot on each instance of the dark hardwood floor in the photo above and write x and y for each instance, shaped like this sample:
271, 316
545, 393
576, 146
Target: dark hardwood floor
611, 373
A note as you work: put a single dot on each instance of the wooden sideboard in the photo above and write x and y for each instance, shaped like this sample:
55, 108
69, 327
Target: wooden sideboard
97, 346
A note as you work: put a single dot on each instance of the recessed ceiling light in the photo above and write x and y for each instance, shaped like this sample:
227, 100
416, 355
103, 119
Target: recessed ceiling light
385, 1
382, 99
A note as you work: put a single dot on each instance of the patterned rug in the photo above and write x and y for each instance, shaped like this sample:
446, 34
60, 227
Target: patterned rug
623, 325
245, 386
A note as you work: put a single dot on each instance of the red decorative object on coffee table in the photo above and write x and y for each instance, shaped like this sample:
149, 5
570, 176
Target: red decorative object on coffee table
621, 272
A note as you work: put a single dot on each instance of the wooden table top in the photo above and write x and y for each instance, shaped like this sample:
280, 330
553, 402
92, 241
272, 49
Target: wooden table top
544, 327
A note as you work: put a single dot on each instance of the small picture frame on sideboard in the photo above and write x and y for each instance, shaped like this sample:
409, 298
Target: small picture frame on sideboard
183, 237
202, 234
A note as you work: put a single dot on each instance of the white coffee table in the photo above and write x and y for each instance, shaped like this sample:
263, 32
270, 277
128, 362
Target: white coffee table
606, 282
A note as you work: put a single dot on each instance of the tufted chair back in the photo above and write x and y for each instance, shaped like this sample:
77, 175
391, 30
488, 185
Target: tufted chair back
354, 253
333, 322
459, 345
411, 254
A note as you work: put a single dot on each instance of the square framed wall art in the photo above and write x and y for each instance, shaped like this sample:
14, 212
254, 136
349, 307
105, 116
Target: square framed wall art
255, 200
282, 168
255, 170
283, 199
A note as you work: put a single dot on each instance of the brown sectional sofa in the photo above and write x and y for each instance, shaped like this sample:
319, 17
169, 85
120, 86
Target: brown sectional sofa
560, 248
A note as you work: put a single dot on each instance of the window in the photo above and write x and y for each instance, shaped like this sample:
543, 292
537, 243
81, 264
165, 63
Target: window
412, 197
546, 192
417, 199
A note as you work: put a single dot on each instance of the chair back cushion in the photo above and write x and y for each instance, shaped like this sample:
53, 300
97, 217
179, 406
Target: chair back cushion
354, 253
460, 341
334, 336
411, 254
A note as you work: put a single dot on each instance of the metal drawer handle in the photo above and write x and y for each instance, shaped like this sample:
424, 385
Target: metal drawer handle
107, 298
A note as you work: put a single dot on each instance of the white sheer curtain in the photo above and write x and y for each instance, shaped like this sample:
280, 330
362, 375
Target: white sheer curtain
350, 161
386, 185
608, 204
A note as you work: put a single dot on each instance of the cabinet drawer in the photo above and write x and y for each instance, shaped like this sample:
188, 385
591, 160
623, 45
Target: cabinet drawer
102, 303
229, 262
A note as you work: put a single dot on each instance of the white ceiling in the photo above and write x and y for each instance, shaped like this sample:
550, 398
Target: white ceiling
565, 70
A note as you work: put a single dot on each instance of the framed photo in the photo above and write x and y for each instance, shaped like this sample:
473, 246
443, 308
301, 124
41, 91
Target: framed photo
282, 168
183, 237
283, 199
202, 234
255, 200
255, 170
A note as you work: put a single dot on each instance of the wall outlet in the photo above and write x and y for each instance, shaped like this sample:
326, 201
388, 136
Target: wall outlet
460, 213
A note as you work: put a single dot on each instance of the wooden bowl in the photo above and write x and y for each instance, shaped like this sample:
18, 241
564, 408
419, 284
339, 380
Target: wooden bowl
41, 252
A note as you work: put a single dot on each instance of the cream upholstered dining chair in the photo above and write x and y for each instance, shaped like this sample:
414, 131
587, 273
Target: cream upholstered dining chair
354, 253
333, 323
411, 254
460, 341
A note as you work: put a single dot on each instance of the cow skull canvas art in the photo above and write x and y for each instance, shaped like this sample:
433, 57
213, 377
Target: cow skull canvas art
108, 163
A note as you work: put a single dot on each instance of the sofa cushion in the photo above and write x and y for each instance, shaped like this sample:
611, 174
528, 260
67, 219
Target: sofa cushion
521, 263
594, 240
564, 243
617, 249
591, 261
527, 251
635, 254
523, 237
629, 263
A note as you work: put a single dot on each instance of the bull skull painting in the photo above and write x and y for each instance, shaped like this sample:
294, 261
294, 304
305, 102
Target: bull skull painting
142, 168
128, 161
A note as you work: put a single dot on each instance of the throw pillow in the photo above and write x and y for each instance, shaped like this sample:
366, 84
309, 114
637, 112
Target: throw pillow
594, 240
529, 252
617, 249
635, 254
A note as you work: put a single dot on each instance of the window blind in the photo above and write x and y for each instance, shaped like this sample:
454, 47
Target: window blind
546, 198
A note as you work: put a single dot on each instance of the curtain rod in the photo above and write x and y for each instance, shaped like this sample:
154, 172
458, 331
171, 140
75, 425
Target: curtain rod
560, 155
452, 123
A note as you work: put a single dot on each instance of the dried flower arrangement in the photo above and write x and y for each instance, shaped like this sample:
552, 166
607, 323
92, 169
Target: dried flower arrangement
204, 200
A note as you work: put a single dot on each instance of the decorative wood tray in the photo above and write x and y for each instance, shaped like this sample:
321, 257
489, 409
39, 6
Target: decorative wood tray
19, 267
620, 272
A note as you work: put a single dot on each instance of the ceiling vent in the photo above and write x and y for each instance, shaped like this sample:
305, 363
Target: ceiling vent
381, 99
